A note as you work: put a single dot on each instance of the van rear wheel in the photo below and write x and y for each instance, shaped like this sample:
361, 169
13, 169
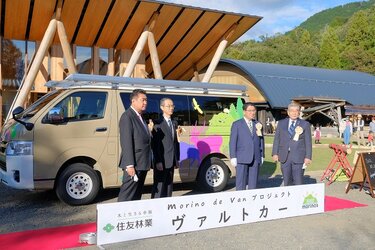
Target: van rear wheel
213, 175
78, 184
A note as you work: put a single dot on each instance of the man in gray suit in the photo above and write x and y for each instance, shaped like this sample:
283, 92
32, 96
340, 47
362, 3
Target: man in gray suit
292, 146
166, 150
246, 148
135, 139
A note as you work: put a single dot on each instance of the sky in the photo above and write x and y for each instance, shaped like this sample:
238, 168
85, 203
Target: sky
279, 16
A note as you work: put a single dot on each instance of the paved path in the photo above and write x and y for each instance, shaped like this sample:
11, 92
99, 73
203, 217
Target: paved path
340, 229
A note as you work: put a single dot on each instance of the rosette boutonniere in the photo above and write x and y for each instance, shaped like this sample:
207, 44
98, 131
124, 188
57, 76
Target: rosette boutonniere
259, 126
298, 132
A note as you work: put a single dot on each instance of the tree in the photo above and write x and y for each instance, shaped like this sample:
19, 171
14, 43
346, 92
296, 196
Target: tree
358, 30
329, 56
10, 56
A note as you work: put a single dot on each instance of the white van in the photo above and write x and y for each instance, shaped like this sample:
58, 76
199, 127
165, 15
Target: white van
69, 139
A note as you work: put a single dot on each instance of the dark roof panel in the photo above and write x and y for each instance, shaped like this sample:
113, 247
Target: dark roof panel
281, 83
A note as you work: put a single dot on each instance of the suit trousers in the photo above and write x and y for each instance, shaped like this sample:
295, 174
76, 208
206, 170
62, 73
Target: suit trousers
292, 173
131, 190
163, 183
247, 174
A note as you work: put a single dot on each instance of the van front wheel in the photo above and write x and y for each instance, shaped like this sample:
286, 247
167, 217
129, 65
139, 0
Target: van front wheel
213, 175
78, 184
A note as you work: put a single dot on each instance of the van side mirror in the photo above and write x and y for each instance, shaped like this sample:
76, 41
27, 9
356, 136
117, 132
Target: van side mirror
56, 115
28, 125
17, 111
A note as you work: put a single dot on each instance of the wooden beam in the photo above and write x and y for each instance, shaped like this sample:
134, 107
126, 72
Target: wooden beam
57, 63
154, 56
125, 55
42, 76
34, 68
95, 60
136, 53
196, 73
66, 48
111, 63
219, 52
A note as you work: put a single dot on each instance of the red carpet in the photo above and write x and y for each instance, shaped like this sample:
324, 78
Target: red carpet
47, 238
68, 236
333, 203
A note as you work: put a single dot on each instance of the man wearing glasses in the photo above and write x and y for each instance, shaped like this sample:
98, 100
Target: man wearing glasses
246, 148
166, 150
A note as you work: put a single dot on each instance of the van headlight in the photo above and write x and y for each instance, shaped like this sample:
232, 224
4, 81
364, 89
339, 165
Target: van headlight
19, 148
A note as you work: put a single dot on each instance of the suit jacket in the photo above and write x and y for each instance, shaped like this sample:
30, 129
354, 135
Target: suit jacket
284, 144
135, 142
166, 149
244, 146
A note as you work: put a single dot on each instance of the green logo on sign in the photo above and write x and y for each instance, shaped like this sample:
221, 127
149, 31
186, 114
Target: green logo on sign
108, 228
310, 202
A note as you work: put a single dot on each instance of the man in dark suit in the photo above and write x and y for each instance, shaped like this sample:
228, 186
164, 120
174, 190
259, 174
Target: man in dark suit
135, 139
292, 146
246, 148
166, 150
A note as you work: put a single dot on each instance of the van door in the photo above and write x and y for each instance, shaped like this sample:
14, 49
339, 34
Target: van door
82, 136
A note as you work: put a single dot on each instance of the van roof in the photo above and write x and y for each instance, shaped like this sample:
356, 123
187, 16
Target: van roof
117, 82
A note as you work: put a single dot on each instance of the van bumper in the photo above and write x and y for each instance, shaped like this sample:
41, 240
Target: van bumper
18, 172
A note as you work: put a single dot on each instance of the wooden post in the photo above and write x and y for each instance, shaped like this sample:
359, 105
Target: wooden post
125, 55
57, 63
42, 76
136, 53
66, 48
111, 63
215, 60
196, 73
34, 68
219, 51
95, 60
154, 56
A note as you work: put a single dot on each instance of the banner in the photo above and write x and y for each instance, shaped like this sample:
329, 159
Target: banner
132, 220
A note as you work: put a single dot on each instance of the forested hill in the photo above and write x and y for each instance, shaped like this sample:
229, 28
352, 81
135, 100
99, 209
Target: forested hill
338, 38
334, 16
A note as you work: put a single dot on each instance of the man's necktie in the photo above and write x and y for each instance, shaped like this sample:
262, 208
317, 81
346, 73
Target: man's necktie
144, 124
292, 128
170, 127
251, 127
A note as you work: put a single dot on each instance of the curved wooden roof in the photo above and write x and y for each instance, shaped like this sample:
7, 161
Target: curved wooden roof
184, 35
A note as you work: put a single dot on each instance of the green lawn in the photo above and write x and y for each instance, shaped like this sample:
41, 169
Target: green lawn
322, 156
269, 140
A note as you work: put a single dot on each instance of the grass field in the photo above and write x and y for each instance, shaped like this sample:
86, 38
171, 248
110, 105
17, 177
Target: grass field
322, 156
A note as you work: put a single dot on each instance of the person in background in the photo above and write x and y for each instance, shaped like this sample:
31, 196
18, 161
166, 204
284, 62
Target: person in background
166, 150
359, 125
370, 139
246, 148
342, 127
317, 134
292, 146
372, 124
135, 140
348, 131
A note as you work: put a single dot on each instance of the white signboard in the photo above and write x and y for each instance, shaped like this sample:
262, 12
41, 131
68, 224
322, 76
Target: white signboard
132, 220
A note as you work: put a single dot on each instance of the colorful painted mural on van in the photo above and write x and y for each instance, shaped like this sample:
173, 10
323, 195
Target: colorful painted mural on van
211, 138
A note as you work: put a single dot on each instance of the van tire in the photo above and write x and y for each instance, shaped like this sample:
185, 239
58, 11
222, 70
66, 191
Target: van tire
78, 184
213, 175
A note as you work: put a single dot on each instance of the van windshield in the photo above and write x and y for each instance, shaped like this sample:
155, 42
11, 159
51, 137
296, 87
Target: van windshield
40, 103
